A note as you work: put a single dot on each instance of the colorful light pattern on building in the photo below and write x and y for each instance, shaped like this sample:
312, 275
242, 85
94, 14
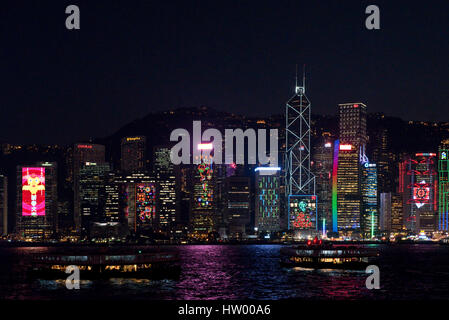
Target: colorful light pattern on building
302, 212
146, 202
33, 191
443, 203
334, 186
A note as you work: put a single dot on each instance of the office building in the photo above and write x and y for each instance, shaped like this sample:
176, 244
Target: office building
133, 154
267, 213
3, 205
369, 222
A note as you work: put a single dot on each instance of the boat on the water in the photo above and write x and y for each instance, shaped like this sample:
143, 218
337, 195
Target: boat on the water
103, 263
318, 255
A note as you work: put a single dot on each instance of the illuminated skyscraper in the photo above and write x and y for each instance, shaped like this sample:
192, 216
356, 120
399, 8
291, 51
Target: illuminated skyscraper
238, 205
420, 192
349, 156
82, 153
322, 168
299, 179
92, 180
203, 206
133, 154
37, 201
443, 192
138, 201
3, 205
369, 223
390, 217
267, 214
164, 172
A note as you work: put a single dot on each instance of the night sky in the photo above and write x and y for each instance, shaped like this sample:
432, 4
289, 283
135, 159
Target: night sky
131, 58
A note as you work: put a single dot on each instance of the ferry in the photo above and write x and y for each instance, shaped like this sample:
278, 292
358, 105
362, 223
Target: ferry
318, 255
103, 263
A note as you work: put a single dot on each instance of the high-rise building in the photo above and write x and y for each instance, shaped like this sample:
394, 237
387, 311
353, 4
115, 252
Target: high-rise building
443, 190
369, 222
37, 201
385, 213
322, 168
3, 205
346, 189
349, 156
268, 197
164, 172
133, 154
92, 180
82, 153
203, 206
238, 205
352, 124
396, 213
420, 188
138, 201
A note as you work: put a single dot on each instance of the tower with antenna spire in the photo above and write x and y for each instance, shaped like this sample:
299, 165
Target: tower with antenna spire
299, 179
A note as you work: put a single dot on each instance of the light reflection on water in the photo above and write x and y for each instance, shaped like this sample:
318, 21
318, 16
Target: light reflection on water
251, 272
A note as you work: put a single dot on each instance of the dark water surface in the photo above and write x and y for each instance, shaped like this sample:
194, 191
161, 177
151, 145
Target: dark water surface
407, 271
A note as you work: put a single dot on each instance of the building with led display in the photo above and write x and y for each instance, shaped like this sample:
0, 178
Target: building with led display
419, 186
164, 172
82, 153
138, 201
204, 217
37, 201
267, 200
322, 169
3, 205
133, 154
443, 190
302, 213
369, 220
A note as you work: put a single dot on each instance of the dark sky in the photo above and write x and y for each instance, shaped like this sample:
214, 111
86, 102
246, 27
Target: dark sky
135, 57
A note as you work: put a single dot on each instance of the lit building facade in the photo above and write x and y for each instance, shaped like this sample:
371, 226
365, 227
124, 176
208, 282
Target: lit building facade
420, 192
203, 207
238, 205
369, 223
37, 201
267, 213
92, 181
322, 168
164, 172
133, 154
82, 153
349, 155
138, 201
443, 190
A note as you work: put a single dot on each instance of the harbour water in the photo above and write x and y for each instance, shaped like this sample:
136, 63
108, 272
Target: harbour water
407, 272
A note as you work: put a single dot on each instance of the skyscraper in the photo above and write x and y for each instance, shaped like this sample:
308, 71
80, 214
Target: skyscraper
420, 192
349, 156
133, 154
268, 197
238, 205
3, 205
37, 199
164, 172
369, 223
443, 190
322, 168
92, 180
82, 153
